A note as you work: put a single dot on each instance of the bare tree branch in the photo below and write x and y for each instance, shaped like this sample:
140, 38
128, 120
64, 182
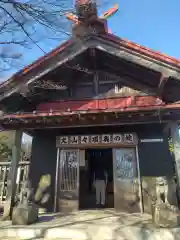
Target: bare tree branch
11, 42
27, 23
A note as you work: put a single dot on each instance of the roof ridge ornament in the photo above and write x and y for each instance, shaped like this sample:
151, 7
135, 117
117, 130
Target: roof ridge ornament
86, 9
87, 20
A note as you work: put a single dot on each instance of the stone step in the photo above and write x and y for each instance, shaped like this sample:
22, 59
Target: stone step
99, 233
36, 233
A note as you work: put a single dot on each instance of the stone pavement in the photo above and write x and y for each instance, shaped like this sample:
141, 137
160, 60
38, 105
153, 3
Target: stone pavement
87, 225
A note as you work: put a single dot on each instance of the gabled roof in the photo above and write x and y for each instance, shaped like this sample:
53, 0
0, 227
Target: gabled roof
105, 42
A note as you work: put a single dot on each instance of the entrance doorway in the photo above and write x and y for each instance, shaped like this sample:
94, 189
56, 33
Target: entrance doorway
74, 179
94, 158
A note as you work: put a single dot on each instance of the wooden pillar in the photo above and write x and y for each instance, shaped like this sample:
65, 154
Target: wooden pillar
11, 182
174, 128
176, 143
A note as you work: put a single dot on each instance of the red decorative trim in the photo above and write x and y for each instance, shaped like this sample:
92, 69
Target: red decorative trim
101, 104
38, 114
53, 53
143, 103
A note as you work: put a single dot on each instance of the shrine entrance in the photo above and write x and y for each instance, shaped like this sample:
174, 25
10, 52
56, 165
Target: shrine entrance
76, 164
95, 158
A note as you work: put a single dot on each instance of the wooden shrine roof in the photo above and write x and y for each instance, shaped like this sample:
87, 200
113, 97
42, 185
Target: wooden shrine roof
166, 65
90, 32
122, 42
143, 68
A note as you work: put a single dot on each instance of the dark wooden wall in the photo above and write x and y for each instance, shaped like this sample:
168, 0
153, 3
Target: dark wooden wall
44, 162
101, 86
90, 86
155, 159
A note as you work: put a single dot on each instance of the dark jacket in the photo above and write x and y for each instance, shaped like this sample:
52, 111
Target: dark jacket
100, 174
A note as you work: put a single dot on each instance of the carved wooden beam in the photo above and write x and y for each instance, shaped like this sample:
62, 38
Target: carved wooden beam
48, 84
163, 80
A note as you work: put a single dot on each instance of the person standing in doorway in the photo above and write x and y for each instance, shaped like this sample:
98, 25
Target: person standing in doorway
100, 184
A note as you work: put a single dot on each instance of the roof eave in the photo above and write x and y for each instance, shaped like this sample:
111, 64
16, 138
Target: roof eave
41, 73
171, 61
138, 57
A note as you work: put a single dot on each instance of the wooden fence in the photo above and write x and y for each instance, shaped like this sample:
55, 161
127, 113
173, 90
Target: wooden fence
22, 175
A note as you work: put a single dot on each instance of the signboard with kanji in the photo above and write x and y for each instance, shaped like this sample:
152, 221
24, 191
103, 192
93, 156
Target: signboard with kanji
96, 139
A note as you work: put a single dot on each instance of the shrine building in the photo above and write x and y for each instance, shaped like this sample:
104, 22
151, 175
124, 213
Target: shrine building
96, 99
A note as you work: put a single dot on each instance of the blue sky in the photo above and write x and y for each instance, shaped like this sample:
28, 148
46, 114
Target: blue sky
150, 23
153, 24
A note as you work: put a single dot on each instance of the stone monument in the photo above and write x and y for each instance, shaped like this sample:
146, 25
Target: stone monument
26, 211
165, 210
